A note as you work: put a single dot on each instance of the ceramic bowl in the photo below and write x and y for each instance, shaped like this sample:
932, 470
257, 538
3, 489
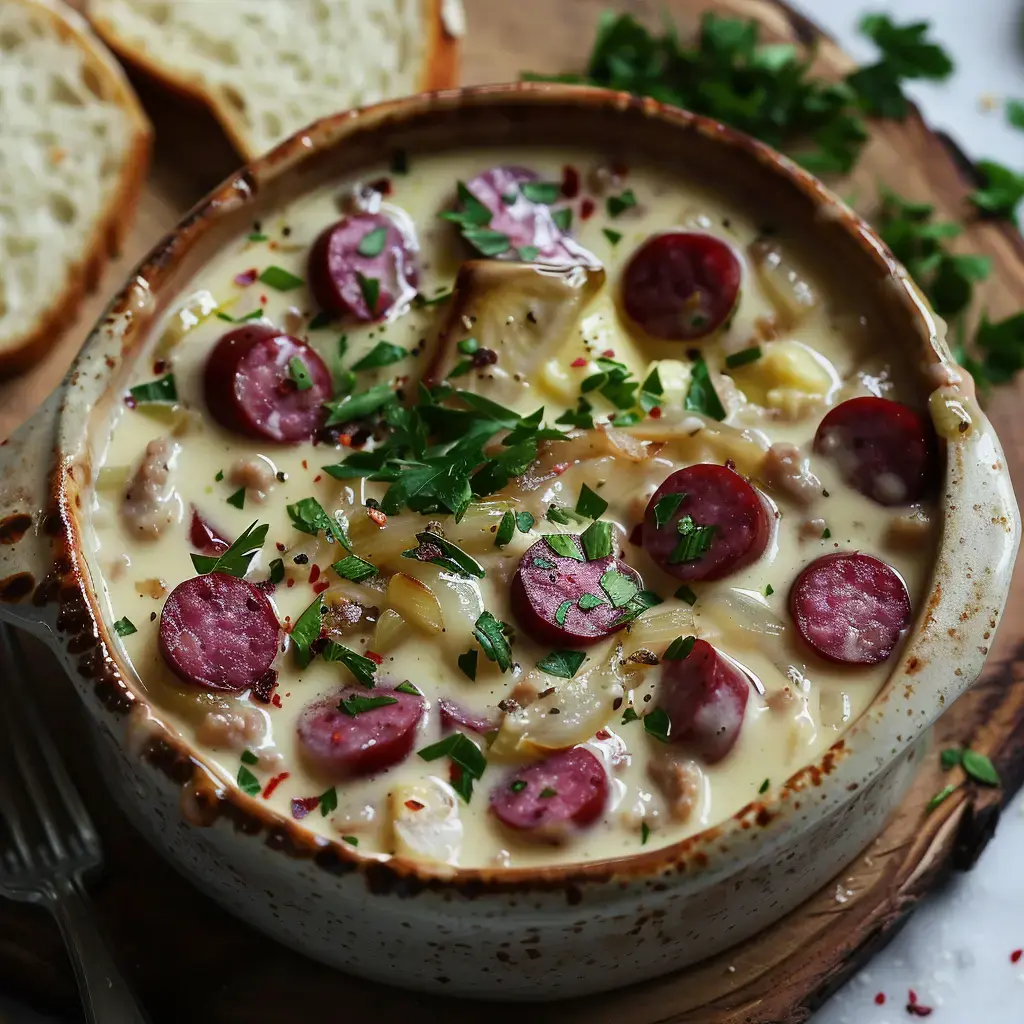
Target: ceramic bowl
524, 933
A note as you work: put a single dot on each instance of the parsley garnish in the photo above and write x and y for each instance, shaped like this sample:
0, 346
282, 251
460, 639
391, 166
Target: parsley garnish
546, 192
328, 801
517, 785
645, 832
613, 236
548, 792
382, 354
657, 724
528, 253
254, 315
1001, 192
490, 634
980, 768
563, 516
399, 162
629, 715
299, 373
942, 795
590, 504
357, 406
351, 840
355, 569
951, 757
613, 381
597, 540
684, 593
276, 570
321, 320
280, 279
619, 588
562, 218
524, 522
357, 704
124, 627
680, 648
701, 395
637, 606
369, 287
308, 516
564, 545
407, 687
162, 390
248, 757
306, 631
744, 356
444, 553
237, 499
562, 611
588, 602
765, 786
467, 662
256, 236
362, 668
247, 782
564, 664
665, 508
506, 529
694, 540
461, 751
372, 243
826, 534
620, 203
769, 590
235, 561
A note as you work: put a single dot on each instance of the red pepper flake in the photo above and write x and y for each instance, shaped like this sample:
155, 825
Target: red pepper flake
318, 478
382, 185
880, 999
587, 208
729, 464
560, 467
570, 182
129, 400
160, 366
377, 659
656, 413
276, 700
578, 362
320, 587
414, 805
916, 1009
305, 465
301, 806
314, 573
263, 300
279, 546
291, 582
608, 353
603, 734
380, 518
274, 783
345, 440
1016, 955
247, 277
455, 773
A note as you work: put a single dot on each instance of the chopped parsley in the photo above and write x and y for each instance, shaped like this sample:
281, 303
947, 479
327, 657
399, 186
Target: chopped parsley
490, 634
355, 569
219, 476
597, 540
382, 354
613, 381
320, 321
247, 782
564, 664
588, 602
744, 356
298, 372
280, 279
951, 757
306, 631
637, 605
940, 797
826, 534
563, 516
237, 499
528, 253
308, 516
616, 205
694, 541
657, 724
407, 687
363, 669
546, 192
372, 243
980, 768
564, 545
517, 785
701, 395
235, 561
463, 752
161, 390
399, 162
590, 504
666, 507
562, 611
328, 801
256, 236
685, 593
769, 590
645, 832
357, 406
254, 315
613, 236
524, 522
440, 551
467, 662
680, 648
562, 218
351, 840
619, 588
276, 570
629, 715
506, 529
248, 757
764, 787
357, 704
547, 793
369, 288
124, 627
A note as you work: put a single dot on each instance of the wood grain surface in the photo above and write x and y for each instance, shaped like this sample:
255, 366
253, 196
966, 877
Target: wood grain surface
193, 963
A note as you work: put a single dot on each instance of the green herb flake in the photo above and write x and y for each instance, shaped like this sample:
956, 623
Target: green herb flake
124, 627
276, 571
565, 545
256, 314
467, 663
468, 346
298, 372
444, 553
629, 715
562, 218
943, 794
637, 606
237, 499
547, 793
357, 407
524, 522
235, 561
591, 504
407, 687
355, 569
680, 648
308, 516
694, 541
826, 534
769, 590
517, 785
951, 757
328, 801
1015, 114
666, 507
765, 786
744, 356
248, 783
657, 724
219, 476
546, 192
490, 634
257, 237
461, 751
280, 279
369, 287
399, 162
357, 704
382, 354
528, 253
645, 833
248, 757
701, 395
596, 540
506, 529
306, 631
486, 241
613, 236
562, 611
162, 390
362, 668
588, 602
564, 664
619, 587
980, 768
372, 243
351, 840
320, 321
616, 205
685, 593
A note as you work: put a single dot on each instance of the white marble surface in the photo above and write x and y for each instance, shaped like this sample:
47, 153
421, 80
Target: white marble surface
955, 953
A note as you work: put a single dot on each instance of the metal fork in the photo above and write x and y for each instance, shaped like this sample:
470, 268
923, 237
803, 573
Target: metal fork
47, 842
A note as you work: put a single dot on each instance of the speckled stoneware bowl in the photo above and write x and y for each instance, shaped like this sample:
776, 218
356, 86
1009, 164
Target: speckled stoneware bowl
508, 933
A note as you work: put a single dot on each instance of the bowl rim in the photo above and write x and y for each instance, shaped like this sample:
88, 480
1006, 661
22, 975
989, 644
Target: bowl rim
775, 817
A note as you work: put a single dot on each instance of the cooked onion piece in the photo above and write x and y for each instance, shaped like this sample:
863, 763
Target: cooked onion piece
791, 295
415, 602
425, 820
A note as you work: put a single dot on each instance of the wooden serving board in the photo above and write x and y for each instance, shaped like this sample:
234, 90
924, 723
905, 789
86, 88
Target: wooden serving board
192, 962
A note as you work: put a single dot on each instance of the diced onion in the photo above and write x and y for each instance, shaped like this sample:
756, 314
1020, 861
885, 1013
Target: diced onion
415, 602
388, 632
425, 820
654, 630
792, 297
734, 607
198, 307
112, 478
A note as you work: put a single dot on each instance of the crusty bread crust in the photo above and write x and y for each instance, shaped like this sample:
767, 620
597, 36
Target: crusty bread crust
440, 70
112, 226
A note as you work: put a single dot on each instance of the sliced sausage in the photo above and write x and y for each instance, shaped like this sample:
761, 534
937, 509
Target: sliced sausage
453, 714
250, 389
550, 797
523, 221
882, 448
681, 285
203, 537
713, 497
705, 696
219, 632
336, 266
560, 600
850, 607
344, 745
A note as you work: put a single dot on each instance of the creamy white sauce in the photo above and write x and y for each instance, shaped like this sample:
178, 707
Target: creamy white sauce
806, 702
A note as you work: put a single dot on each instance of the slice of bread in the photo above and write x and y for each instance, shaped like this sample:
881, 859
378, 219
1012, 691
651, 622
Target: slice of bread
267, 68
74, 145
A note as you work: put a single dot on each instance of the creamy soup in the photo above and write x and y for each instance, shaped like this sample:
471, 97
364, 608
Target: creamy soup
514, 508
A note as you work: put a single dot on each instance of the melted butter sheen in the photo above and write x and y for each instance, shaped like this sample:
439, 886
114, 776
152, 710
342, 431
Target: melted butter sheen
826, 357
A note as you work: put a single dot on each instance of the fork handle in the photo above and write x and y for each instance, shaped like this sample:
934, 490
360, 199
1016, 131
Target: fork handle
106, 996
